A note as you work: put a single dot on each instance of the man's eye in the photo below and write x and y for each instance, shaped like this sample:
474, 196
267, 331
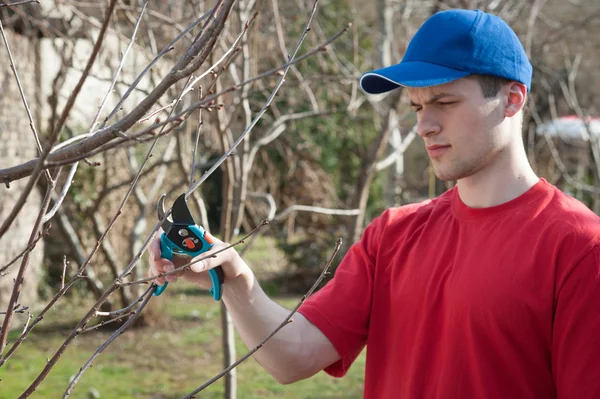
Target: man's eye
445, 103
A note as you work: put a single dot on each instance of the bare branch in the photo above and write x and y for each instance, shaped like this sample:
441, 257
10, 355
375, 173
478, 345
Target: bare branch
19, 3
316, 209
60, 198
119, 68
89, 146
64, 273
137, 80
197, 141
39, 164
123, 311
105, 322
276, 130
113, 337
260, 113
18, 309
13, 66
386, 162
28, 249
69, 180
24, 263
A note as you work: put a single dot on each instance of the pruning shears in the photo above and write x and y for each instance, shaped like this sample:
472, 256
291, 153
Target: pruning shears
182, 236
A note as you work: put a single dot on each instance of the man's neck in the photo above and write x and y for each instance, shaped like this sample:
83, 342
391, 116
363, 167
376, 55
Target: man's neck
504, 181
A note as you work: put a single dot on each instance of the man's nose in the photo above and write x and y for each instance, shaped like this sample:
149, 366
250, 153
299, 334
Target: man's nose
427, 124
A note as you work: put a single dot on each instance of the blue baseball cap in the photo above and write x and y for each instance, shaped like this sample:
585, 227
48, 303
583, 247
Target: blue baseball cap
453, 44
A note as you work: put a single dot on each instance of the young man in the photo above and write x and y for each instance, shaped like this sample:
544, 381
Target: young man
491, 290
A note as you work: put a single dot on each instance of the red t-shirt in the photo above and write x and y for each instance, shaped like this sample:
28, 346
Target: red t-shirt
458, 303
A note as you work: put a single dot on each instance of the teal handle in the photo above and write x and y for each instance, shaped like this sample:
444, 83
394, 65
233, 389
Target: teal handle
216, 274
166, 252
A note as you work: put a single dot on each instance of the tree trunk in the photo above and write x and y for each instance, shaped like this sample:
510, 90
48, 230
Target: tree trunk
226, 320
367, 172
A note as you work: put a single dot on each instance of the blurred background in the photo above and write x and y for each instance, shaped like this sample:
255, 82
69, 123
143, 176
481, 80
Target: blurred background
320, 163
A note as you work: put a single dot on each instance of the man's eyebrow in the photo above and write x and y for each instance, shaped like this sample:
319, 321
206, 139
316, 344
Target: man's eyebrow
433, 99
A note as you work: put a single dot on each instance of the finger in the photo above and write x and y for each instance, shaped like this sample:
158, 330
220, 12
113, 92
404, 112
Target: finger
154, 249
169, 267
161, 266
200, 266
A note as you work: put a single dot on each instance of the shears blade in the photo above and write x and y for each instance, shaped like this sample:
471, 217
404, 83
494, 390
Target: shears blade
168, 222
181, 212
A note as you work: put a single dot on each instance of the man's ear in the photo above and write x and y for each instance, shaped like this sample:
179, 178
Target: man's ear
516, 96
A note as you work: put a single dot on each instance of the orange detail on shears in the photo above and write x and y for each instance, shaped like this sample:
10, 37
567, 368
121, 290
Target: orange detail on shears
208, 238
189, 243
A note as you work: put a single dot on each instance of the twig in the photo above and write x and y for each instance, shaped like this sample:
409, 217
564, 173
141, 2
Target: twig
261, 112
120, 67
195, 150
60, 198
19, 3
155, 111
17, 310
284, 323
105, 322
137, 80
123, 311
276, 130
232, 48
91, 144
69, 179
13, 66
556, 155
105, 345
29, 317
39, 164
24, 263
28, 249
65, 264
316, 209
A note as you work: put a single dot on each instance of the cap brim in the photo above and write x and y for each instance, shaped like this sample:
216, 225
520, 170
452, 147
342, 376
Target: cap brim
409, 74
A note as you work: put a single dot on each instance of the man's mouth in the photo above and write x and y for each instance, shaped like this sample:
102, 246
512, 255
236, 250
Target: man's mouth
436, 150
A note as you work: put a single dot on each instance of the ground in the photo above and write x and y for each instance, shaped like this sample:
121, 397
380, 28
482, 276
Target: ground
155, 362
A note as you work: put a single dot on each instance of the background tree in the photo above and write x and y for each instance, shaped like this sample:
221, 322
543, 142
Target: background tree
253, 115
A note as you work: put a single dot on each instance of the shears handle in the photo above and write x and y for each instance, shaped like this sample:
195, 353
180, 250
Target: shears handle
216, 275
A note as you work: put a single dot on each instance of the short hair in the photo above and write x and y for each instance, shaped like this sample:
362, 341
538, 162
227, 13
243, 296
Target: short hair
490, 85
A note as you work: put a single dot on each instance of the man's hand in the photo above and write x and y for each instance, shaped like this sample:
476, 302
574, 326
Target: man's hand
233, 265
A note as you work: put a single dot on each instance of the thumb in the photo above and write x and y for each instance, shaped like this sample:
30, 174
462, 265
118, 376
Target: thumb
202, 265
211, 260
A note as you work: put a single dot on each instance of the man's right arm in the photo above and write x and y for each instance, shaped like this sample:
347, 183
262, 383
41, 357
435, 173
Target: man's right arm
297, 351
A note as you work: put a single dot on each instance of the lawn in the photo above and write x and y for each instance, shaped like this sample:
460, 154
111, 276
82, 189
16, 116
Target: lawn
155, 362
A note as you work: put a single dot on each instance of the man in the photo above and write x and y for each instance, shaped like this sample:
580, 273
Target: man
491, 290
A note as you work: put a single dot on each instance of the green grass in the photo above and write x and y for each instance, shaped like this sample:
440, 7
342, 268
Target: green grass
155, 362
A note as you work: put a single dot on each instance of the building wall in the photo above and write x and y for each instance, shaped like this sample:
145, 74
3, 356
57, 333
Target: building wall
17, 145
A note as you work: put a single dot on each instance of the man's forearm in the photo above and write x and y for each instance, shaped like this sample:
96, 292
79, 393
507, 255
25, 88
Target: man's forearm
295, 352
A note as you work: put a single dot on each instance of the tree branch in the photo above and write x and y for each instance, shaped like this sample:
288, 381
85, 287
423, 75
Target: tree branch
28, 249
113, 337
19, 3
90, 146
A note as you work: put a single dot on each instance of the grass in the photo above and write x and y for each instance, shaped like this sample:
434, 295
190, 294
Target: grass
155, 362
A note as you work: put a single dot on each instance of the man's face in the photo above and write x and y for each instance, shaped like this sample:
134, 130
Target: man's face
460, 127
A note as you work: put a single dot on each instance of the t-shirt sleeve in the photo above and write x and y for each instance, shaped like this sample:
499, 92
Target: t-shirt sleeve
576, 338
341, 309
